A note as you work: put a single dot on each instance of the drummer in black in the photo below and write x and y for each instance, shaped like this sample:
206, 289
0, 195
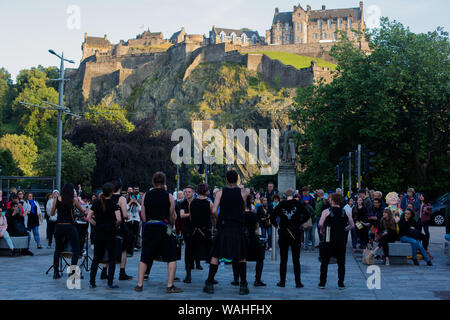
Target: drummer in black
256, 247
232, 239
292, 215
200, 224
65, 226
123, 233
105, 216
158, 239
187, 231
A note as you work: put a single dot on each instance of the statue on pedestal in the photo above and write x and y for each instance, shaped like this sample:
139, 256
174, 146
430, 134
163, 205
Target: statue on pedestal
287, 145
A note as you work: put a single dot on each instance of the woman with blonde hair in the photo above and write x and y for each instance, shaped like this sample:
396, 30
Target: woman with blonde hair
388, 231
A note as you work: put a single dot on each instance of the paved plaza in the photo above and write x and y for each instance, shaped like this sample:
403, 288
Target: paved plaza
25, 278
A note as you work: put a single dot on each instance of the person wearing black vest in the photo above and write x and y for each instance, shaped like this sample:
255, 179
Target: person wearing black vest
231, 240
200, 224
187, 231
65, 226
334, 224
256, 248
292, 214
105, 216
123, 232
158, 240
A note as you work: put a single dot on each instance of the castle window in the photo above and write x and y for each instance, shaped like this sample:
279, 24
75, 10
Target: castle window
329, 24
243, 38
287, 26
279, 27
297, 39
298, 26
324, 35
339, 23
279, 38
315, 35
287, 38
334, 35
301, 40
301, 27
349, 23
319, 24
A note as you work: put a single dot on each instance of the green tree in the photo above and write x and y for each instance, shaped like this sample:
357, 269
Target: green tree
111, 113
393, 101
5, 91
78, 163
9, 167
23, 151
32, 88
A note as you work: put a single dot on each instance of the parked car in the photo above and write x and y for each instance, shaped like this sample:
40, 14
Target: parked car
439, 207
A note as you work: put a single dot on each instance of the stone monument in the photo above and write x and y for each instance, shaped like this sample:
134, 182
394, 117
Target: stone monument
287, 169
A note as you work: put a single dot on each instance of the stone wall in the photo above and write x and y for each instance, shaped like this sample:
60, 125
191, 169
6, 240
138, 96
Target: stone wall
315, 50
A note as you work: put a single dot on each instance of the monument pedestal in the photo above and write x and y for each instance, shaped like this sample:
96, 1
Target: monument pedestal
286, 177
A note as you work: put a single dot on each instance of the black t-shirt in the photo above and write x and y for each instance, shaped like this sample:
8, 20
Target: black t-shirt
251, 219
264, 212
184, 205
292, 214
200, 214
107, 216
65, 213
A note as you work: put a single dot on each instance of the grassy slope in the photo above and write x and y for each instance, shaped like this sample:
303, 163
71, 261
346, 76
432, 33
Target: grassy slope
296, 60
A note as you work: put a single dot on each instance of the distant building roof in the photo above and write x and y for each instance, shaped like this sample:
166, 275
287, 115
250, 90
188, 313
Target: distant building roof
237, 32
98, 42
283, 17
333, 13
148, 35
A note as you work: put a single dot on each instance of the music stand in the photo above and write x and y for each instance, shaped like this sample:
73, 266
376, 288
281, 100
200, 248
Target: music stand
86, 257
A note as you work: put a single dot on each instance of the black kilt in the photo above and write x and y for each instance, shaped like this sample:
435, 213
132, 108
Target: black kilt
157, 244
231, 242
200, 241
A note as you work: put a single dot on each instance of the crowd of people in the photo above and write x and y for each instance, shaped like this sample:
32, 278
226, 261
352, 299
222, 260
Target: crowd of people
232, 225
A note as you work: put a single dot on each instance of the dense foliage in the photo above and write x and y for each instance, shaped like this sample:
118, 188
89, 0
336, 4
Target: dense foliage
394, 102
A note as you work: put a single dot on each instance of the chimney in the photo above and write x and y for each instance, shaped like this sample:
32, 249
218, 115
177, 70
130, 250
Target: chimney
104, 37
308, 7
361, 5
277, 10
85, 37
323, 7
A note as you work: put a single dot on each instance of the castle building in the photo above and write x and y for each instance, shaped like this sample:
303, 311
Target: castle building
234, 36
314, 26
181, 36
92, 45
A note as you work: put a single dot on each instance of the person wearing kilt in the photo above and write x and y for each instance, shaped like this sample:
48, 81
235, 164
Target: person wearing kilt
158, 239
256, 246
231, 240
200, 222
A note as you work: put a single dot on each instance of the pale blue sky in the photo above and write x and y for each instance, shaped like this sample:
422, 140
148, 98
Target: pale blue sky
28, 28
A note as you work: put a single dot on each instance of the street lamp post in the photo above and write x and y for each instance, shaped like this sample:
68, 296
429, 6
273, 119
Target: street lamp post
60, 111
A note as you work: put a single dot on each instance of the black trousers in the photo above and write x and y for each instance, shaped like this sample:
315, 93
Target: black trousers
105, 240
363, 234
51, 225
133, 229
384, 241
285, 241
64, 232
337, 251
258, 270
82, 231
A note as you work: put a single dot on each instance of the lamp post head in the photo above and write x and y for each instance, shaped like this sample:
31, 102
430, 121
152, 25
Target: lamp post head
52, 52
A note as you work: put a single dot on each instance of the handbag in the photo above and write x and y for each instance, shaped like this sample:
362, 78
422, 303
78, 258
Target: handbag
368, 258
307, 225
